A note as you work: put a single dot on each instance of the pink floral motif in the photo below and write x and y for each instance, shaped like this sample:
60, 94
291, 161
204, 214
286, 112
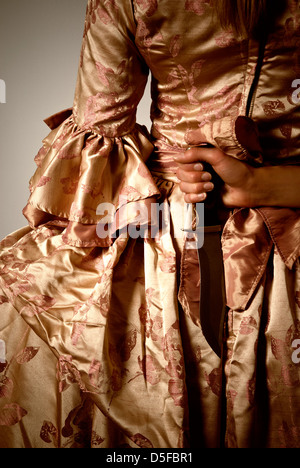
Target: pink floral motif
272, 108
76, 212
215, 110
6, 387
66, 135
152, 326
248, 325
43, 181
231, 396
130, 193
70, 184
95, 372
214, 380
190, 79
93, 190
177, 391
144, 36
103, 107
225, 39
39, 304
150, 368
127, 344
90, 19
8, 241
49, 433
108, 76
68, 152
40, 156
90, 11
173, 354
105, 74
148, 322
141, 441
3, 300
21, 286
174, 79
175, 45
107, 14
26, 355
168, 264
11, 414
286, 130
96, 439
104, 301
77, 330
149, 5
78, 429
196, 6
67, 374
21, 266
144, 172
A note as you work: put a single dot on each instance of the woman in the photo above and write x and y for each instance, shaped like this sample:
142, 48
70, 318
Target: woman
111, 334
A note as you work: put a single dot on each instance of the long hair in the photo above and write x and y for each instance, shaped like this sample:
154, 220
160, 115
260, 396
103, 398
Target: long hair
247, 18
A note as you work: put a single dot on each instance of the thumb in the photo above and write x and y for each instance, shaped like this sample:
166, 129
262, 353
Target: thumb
202, 153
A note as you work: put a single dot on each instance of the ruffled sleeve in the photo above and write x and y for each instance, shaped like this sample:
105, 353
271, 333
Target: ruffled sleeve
93, 161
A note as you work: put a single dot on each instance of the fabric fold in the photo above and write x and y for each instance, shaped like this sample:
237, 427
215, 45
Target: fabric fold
248, 240
85, 178
235, 136
249, 235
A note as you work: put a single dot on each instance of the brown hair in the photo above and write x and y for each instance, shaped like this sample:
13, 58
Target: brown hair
247, 18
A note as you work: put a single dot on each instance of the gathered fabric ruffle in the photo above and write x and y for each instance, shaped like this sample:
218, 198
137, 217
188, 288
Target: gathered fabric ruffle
84, 179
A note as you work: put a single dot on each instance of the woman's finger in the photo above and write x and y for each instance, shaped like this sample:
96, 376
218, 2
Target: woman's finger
196, 188
193, 176
195, 197
197, 166
200, 154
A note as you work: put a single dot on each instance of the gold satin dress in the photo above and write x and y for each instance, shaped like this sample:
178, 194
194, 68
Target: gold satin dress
101, 341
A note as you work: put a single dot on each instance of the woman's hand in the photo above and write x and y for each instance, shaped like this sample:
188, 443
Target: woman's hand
244, 185
196, 182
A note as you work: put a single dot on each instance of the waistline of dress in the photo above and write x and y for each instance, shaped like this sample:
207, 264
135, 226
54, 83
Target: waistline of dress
162, 158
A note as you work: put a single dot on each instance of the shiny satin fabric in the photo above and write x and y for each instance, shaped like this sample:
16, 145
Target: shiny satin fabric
122, 351
104, 331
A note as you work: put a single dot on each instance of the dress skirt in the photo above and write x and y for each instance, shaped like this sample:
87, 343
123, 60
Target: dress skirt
97, 348
101, 349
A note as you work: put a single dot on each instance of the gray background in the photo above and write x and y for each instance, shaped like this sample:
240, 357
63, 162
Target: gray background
40, 43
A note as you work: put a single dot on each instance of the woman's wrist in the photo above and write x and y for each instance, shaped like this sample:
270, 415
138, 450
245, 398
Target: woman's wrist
245, 194
260, 189
267, 186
